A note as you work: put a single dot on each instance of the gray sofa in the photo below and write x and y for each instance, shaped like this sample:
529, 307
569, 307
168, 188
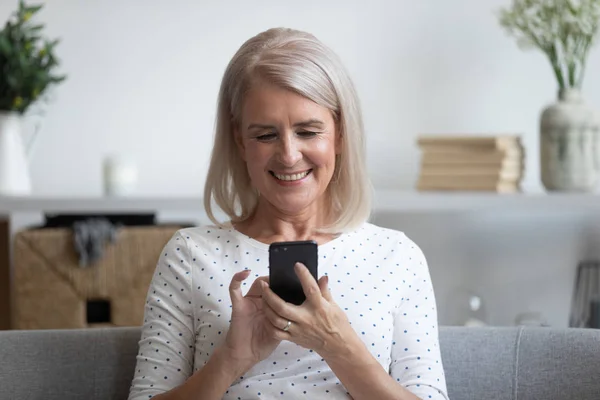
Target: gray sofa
480, 363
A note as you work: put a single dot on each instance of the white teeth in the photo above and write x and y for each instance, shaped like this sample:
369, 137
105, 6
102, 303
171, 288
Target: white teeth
292, 177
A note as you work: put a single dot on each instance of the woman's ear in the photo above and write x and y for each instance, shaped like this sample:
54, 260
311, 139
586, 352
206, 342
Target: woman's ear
239, 141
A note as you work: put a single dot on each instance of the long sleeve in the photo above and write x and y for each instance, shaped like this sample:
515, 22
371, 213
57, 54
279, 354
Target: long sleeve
416, 358
166, 349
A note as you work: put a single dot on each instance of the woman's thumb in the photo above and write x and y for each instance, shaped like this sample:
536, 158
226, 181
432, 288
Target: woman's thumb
235, 287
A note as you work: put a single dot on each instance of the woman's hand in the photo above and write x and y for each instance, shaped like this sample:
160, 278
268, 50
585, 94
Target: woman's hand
318, 324
249, 339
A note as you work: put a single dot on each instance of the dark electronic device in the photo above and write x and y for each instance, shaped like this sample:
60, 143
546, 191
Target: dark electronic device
282, 277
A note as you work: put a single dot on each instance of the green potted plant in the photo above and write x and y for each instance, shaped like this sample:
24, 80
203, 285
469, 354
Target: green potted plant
27, 65
565, 31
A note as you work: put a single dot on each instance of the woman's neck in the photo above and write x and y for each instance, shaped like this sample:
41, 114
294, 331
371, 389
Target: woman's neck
268, 225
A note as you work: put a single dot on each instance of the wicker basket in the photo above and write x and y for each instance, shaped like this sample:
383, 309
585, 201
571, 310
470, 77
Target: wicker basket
51, 290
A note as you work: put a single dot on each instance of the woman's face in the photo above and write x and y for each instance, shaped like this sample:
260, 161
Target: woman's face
289, 144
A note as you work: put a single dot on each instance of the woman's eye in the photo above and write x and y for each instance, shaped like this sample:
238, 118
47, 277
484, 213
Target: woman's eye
307, 134
266, 137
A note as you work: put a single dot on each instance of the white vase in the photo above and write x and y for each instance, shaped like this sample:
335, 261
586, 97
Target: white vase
14, 168
569, 144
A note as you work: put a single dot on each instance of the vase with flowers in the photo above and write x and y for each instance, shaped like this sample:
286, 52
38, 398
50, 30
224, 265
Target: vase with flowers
565, 31
27, 65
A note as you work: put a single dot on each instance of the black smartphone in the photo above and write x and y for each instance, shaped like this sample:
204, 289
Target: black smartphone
282, 277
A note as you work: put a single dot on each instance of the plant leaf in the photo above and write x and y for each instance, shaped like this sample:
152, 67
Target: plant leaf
27, 60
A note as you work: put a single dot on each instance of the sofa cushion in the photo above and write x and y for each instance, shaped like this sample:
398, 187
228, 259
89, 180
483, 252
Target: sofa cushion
67, 364
477, 359
559, 364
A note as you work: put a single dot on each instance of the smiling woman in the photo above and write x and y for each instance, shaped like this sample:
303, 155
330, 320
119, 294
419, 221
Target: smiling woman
284, 88
288, 164
289, 145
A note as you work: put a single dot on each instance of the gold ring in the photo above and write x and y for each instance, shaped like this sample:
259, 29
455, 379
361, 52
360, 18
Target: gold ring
287, 327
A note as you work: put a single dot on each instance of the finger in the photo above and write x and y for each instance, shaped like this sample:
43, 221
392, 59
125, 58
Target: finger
280, 334
309, 284
263, 279
278, 305
256, 288
324, 286
235, 291
275, 320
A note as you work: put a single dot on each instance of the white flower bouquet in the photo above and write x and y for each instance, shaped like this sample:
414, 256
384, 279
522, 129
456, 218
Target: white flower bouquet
564, 30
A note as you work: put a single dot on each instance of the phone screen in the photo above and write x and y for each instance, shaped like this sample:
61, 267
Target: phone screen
282, 277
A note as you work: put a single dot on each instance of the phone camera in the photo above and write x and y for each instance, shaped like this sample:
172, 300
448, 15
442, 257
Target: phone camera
285, 249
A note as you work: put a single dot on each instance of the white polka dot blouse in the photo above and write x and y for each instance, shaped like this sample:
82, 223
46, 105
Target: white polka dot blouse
378, 276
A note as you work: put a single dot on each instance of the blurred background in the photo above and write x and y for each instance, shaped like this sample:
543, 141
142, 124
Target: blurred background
142, 82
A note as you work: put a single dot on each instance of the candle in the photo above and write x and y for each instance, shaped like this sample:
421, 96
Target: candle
120, 176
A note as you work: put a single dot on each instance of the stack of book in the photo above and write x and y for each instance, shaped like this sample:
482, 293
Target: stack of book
471, 163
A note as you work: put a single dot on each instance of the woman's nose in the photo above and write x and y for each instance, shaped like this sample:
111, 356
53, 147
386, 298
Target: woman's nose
290, 151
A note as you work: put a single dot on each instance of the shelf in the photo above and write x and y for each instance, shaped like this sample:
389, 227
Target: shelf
406, 201
99, 204
385, 201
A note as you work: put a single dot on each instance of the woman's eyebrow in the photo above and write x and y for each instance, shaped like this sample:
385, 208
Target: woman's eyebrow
261, 126
309, 122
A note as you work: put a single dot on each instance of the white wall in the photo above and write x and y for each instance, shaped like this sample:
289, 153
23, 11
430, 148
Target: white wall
143, 79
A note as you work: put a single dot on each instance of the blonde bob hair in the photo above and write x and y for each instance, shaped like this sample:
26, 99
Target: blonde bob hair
295, 61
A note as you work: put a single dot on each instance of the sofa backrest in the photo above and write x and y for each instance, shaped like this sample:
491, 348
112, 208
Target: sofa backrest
480, 363
521, 363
